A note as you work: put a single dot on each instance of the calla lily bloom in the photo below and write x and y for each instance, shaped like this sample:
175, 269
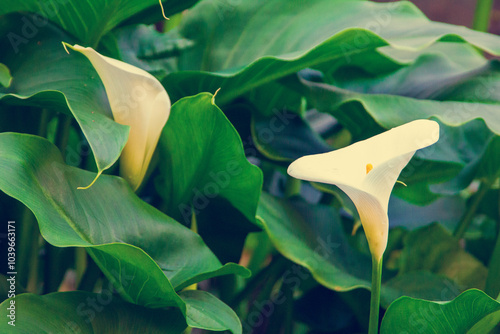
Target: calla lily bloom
367, 171
137, 99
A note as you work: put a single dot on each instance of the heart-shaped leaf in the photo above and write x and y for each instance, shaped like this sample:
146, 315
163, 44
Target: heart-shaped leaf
204, 171
88, 20
311, 236
147, 255
226, 53
471, 312
84, 312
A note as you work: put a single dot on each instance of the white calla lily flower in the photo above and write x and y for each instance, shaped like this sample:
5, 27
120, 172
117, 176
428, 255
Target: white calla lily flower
367, 171
137, 99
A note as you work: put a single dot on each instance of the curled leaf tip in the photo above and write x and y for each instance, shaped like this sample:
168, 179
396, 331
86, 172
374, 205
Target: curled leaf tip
213, 97
355, 227
91, 184
163, 11
65, 47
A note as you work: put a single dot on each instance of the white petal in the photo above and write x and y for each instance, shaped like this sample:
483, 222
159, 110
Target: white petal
137, 99
382, 178
348, 165
373, 218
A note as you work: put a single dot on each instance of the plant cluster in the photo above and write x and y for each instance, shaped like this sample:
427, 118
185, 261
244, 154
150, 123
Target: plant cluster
143, 162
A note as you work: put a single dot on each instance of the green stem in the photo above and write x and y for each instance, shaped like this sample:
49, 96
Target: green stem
80, 263
44, 121
292, 186
375, 296
51, 280
32, 285
466, 220
482, 15
29, 239
91, 276
492, 287
260, 253
275, 267
28, 243
62, 135
288, 293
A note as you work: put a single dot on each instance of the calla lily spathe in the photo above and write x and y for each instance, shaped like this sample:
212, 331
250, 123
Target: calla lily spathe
367, 171
137, 99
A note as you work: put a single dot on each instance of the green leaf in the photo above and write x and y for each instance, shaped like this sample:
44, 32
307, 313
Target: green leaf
420, 284
227, 54
204, 171
44, 75
207, 312
147, 255
5, 77
433, 249
313, 237
381, 107
87, 20
471, 312
433, 73
84, 312
286, 136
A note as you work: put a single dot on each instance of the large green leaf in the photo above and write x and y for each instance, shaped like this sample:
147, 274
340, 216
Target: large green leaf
382, 107
87, 20
146, 254
471, 312
226, 53
204, 171
314, 239
86, 313
312, 236
45, 75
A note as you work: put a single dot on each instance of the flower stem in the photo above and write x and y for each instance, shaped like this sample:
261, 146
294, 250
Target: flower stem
267, 274
292, 186
492, 287
482, 15
62, 134
375, 295
467, 218
28, 252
